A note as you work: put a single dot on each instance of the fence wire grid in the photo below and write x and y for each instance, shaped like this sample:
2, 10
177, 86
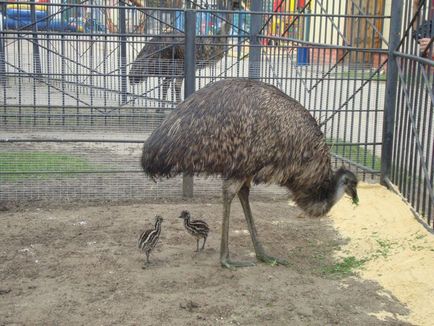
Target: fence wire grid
83, 83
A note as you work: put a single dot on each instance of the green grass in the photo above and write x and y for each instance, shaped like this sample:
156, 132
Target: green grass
343, 268
363, 75
384, 248
20, 165
355, 153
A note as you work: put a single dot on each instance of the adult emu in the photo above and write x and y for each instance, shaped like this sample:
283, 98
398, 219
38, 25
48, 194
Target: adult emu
163, 56
248, 131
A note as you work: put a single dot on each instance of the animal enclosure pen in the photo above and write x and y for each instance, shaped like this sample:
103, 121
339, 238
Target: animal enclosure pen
73, 117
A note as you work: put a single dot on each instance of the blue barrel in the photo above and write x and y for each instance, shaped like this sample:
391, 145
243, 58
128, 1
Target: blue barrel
27, 23
25, 14
302, 56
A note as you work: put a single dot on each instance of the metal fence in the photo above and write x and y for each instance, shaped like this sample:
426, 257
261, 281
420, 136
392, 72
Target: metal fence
74, 112
408, 151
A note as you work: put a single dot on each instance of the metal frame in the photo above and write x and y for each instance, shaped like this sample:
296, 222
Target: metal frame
408, 149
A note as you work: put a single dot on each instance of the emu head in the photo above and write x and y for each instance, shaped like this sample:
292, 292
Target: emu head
158, 220
185, 215
137, 70
345, 182
319, 200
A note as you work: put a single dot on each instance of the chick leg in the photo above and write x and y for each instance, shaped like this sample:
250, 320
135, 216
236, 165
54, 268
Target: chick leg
243, 195
230, 188
197, 245
203, 245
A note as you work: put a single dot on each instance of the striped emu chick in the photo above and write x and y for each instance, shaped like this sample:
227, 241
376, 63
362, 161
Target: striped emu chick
149, 238
197, 228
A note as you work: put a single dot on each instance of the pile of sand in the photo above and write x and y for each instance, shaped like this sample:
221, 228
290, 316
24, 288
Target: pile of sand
398, 250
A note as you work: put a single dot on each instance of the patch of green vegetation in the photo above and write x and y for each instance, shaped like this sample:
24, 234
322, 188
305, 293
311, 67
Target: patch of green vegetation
418, 248
362, 75
384, 248
420, 236
343, 268
22, 165
355, 153
348, 265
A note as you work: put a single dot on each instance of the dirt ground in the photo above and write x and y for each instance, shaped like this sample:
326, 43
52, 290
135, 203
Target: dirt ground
79, 265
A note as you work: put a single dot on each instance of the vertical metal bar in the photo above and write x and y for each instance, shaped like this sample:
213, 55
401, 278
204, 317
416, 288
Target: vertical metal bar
2, 47
190, 79
391, 86
36, 55
91, 69
3, 81
255, 49
123, 48
190, 52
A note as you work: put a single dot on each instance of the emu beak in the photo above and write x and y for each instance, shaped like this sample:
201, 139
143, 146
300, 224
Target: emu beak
352, 191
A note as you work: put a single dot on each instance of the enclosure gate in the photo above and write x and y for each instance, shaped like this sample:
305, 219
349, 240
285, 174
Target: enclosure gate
74, 112
408, 149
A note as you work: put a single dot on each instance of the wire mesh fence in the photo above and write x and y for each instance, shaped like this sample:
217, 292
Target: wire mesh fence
83, 83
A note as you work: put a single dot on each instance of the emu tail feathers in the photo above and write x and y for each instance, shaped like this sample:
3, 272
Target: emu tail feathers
153, 164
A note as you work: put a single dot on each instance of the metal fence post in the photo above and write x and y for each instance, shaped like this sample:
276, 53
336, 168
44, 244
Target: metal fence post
255, 49
36, 55
391, 88
190, 79
123, 58
2, 46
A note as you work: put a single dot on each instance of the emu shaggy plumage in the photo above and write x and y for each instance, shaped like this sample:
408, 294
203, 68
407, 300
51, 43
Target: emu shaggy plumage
246, 130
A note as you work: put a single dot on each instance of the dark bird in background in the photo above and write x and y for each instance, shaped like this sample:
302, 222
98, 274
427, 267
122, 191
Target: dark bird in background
149, 238
248, 131
163, 56
197, 228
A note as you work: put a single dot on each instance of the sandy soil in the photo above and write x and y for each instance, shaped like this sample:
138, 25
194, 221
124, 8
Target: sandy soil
78, 265
398, 249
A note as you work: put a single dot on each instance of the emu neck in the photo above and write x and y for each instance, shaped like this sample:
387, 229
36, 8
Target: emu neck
317, 200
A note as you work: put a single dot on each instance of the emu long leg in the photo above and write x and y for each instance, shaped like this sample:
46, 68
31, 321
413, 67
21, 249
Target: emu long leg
178, 84
166, 84
243, 195
197, 245
230, 189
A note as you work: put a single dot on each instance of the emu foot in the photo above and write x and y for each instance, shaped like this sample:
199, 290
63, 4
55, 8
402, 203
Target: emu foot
273, 261
235, 264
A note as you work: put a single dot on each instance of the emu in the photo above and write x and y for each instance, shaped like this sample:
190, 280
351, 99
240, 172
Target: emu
248, 132
164, 57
